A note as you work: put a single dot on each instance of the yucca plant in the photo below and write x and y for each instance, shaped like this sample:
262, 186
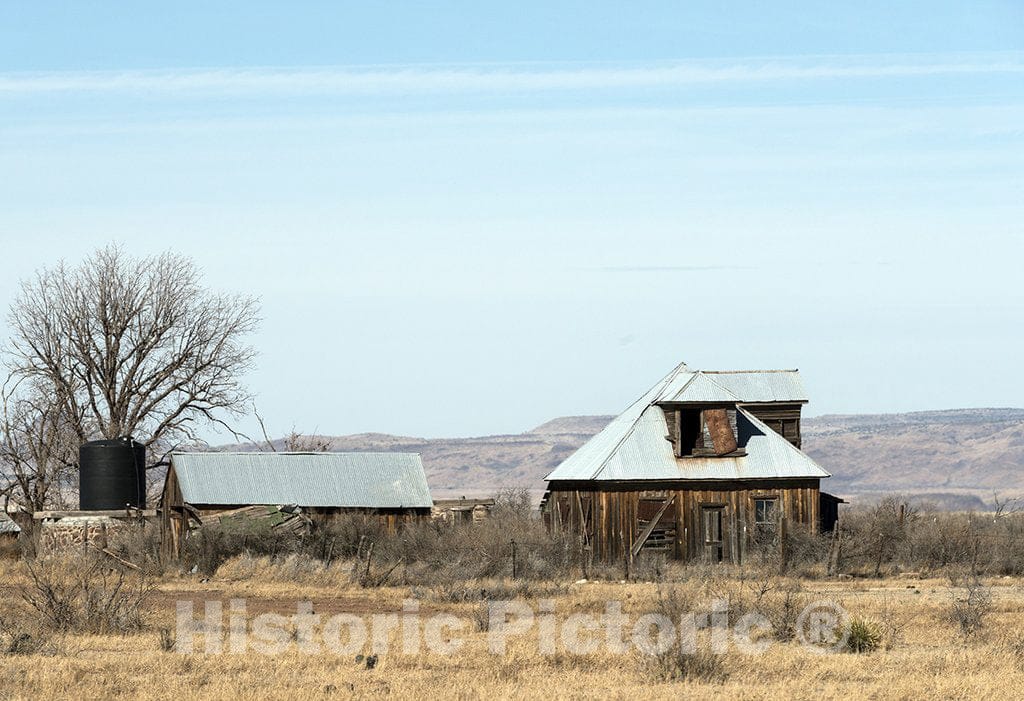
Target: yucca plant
864, 636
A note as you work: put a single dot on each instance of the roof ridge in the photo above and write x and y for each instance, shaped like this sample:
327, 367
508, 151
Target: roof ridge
675, 396
740, 372
659, 386
294, 452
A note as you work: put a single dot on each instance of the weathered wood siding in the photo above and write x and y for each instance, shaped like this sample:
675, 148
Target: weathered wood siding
784, 419
609, 518
173, 519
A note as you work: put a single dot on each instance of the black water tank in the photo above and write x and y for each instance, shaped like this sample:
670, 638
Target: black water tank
112, 474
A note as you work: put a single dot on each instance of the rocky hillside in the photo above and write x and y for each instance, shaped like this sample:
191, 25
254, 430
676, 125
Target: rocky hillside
956, 458
969, 452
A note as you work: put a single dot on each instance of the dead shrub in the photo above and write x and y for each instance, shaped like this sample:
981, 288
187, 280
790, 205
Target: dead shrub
896, 535
799, 552
342, 537
804, 552
19, 636
969, 610
482, 616
1001, 546
140, 545
1015, 646
677, 664
210, 547
85, 595
461, 591
562, 660
291, 568
777, 599
878, 535
166, 639
511, 542
782, 608
891, 624
942, 541
10, 549
649, 567
676, 601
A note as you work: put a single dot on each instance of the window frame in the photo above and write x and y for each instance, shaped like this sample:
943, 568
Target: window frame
774, 521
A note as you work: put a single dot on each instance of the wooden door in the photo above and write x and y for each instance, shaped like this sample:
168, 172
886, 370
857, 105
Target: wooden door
713, 521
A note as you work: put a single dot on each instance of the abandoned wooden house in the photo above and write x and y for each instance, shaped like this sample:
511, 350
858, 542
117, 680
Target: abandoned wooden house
704, 465
287, 490
462, 510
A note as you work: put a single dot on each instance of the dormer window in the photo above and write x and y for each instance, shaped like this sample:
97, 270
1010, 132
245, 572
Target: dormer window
691, 432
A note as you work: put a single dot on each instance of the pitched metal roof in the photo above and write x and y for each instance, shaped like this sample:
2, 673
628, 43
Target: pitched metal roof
634, 446
757, 386
348, 480
747, 386
7, 524
701, 389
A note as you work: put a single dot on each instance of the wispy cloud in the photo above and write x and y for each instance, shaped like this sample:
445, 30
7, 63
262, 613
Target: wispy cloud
665, 268
475, 78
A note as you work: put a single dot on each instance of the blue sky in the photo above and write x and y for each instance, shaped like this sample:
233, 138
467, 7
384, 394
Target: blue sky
464, 219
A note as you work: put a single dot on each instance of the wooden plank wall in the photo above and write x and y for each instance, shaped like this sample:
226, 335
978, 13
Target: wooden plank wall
608, 521
784, 419
172, 519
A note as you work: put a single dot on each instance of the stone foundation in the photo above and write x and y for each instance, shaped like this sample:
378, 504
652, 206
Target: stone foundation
78, 532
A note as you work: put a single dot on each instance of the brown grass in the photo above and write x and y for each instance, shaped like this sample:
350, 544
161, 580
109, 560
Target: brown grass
929, 657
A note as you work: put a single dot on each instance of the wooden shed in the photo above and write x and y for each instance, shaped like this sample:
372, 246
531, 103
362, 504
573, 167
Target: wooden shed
9, 532
704, 465
204, 488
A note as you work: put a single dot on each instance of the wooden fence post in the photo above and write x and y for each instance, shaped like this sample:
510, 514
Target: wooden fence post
783, 532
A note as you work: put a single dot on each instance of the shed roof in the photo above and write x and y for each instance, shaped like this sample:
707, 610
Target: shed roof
634, 445
345, 480
7, 524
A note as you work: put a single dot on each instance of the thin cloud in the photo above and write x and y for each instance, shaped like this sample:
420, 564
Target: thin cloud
665, 268
515, 78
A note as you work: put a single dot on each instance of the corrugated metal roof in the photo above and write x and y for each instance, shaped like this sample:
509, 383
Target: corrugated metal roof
673, 383
701, 388
350, 480
7, 524
644, 453
635, 445
755, 386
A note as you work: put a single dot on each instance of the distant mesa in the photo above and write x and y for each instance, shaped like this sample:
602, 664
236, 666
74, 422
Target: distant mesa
953, 458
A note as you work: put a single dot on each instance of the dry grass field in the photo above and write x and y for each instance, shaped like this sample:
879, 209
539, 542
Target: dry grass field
921, 652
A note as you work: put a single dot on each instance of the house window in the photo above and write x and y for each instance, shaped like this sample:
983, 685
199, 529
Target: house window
766, 513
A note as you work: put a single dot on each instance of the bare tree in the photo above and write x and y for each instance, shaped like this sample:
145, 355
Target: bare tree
133, 346
38, 450
1005, 507
295, 442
